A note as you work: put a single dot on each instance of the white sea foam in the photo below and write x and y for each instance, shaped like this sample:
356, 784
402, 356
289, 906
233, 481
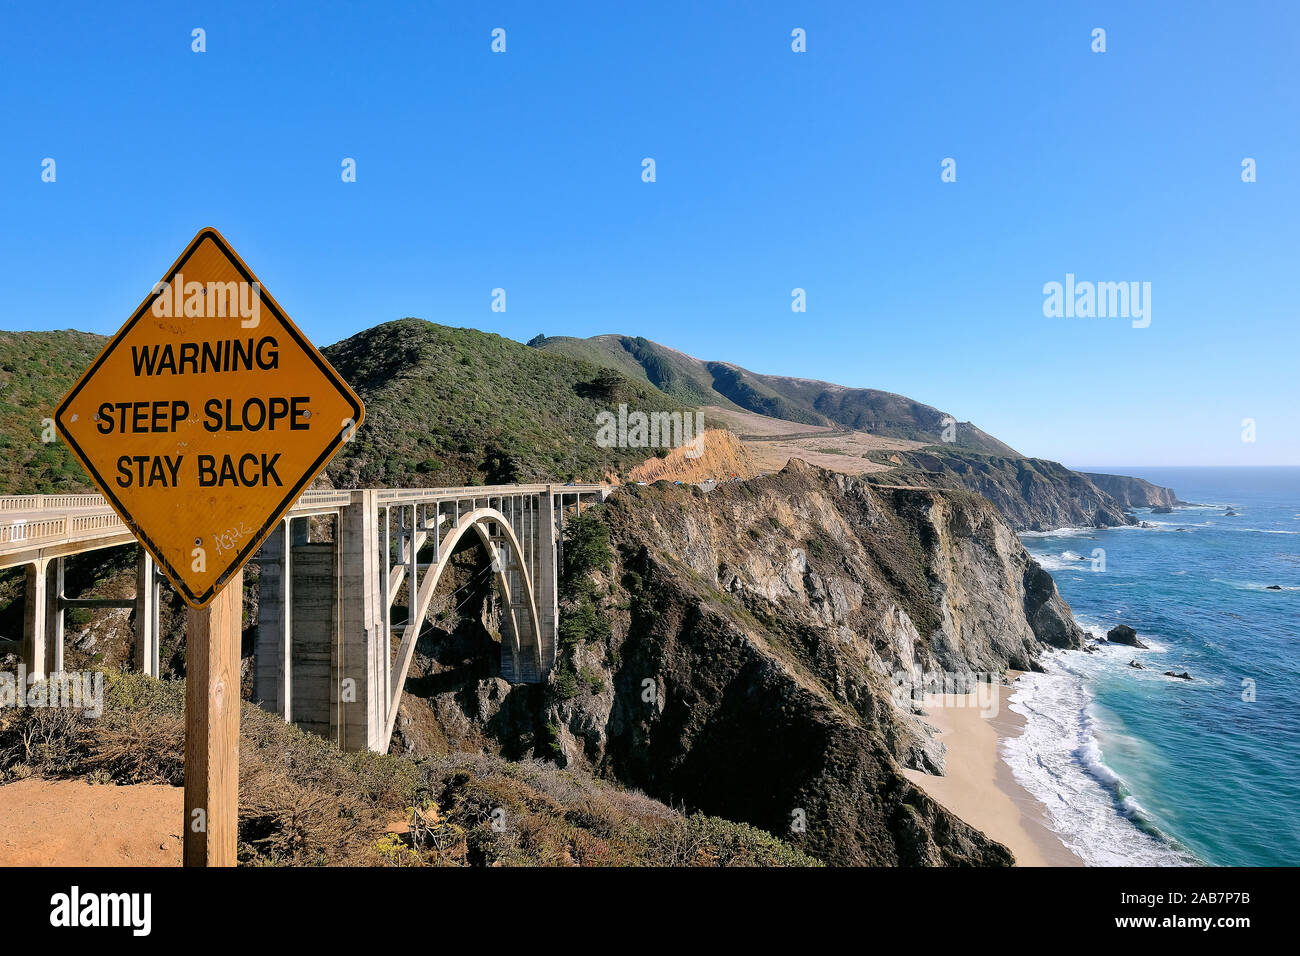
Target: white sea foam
1167, 526
1058, 759
1059, 533
1067, 561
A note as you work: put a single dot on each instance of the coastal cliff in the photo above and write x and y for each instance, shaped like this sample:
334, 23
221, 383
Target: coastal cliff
1033, 494
1134, 492
739, 652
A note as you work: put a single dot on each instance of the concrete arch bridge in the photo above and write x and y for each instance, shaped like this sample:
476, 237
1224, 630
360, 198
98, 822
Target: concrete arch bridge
330, 654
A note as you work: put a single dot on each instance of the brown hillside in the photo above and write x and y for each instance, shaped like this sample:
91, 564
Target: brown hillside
719, 454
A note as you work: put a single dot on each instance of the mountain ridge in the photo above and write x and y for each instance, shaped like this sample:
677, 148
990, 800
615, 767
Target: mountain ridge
805, 400
1034, 494
448, 406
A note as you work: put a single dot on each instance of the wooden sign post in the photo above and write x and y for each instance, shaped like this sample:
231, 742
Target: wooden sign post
202, 421
212, 727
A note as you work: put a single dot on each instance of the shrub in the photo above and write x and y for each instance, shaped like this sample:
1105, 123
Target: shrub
586, 547
41, 740
78, 618
583, 623
592, 679
566, 682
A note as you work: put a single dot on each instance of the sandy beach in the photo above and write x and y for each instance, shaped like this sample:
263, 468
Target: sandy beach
979, 786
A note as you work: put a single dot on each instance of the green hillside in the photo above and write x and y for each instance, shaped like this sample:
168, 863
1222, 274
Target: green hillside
444, 406
881, 413
811, 402
686, 379
447, 406
36, 370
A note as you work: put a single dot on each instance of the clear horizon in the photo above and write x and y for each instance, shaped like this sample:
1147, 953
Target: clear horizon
775, 170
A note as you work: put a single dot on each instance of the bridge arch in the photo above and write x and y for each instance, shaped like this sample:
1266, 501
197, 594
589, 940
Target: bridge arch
523, 631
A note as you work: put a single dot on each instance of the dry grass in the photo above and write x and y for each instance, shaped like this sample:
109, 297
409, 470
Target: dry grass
304, 802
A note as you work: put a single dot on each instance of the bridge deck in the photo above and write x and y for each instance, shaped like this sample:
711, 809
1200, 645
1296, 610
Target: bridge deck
44, 526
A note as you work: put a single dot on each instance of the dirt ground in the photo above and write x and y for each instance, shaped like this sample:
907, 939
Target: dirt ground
74, 823
771, 442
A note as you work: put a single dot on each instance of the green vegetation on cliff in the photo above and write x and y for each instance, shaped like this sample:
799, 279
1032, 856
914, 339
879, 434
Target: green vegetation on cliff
451, 406
36, 370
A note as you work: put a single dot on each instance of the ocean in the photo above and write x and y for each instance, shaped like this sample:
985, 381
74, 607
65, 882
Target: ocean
1139, 768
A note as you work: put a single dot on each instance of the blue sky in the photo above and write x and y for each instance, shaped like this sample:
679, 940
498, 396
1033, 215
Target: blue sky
775, 170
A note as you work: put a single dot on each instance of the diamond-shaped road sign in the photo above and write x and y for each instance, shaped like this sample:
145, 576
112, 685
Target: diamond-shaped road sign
206, 416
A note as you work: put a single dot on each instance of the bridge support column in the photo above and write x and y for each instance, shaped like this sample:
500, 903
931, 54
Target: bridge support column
273, 650
358, 677
313, 645
54, 617
546, 589
35, 606
146, 615
385, 608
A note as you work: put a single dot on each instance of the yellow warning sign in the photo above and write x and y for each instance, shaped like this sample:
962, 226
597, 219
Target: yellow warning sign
206, 416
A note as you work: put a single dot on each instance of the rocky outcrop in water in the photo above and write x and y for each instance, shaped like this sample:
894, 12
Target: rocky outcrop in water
1123, 634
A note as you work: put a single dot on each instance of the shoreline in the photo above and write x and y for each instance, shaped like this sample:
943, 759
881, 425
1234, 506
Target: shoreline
978, 785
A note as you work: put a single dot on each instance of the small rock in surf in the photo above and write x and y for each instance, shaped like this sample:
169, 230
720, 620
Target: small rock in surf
1123, 634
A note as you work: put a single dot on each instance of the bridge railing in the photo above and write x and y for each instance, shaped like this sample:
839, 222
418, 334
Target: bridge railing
31, 530
61, 526
384, 495
23, 520
80, 524
43, 502
326, 498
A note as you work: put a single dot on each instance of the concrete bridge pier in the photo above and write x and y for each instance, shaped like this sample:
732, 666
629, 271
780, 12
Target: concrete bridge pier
273, 647
147, 593
36, 619
320, 656
45, 603
545, 577
363, 645
54, 577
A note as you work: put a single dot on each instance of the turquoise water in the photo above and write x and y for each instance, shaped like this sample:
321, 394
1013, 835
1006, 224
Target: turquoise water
1136, 767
